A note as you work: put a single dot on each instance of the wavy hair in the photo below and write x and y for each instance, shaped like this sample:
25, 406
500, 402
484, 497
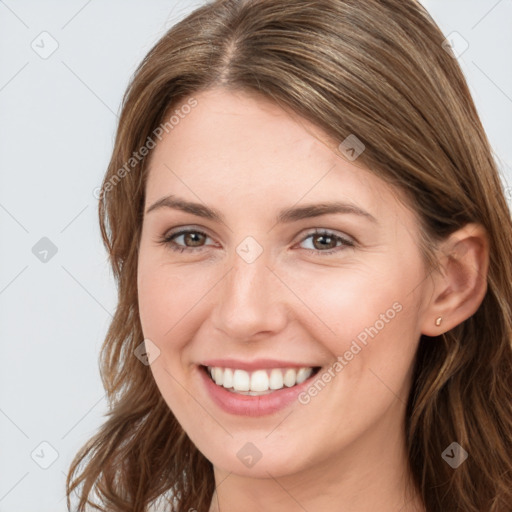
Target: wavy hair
374, 68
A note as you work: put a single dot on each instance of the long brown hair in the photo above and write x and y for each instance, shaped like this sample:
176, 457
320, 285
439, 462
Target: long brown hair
374, 68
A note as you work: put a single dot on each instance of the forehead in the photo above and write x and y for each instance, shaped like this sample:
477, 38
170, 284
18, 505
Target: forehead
236, 146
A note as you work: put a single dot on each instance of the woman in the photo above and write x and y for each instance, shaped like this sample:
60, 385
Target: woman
312, 246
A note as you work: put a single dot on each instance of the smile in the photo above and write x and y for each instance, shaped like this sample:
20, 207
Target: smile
259, 382
258, 391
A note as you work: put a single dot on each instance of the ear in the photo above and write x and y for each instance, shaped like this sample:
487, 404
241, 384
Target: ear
461, 283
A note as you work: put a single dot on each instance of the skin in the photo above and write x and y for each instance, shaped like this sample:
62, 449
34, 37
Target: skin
248, 159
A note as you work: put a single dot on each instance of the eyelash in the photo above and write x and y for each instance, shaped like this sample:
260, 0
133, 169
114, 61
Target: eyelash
168, 241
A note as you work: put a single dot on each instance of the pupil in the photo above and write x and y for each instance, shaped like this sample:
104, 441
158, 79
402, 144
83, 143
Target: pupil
324, 237
194, 235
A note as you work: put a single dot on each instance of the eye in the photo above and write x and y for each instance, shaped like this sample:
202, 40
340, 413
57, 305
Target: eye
327, 240
192, 236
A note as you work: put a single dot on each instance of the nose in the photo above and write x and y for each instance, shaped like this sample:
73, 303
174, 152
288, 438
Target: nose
250, 300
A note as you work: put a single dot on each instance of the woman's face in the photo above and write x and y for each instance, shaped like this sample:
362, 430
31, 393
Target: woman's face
251, 287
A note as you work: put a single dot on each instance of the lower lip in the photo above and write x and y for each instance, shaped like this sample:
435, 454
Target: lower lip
246, 405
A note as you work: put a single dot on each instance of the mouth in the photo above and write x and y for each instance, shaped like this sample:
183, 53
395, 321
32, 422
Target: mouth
259, 382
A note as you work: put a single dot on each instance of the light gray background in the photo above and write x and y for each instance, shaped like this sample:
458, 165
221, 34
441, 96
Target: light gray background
57, 123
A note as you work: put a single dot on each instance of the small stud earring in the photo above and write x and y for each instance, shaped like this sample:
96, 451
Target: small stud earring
439, 320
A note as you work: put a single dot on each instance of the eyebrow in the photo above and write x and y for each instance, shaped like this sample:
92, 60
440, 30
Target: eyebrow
287, 215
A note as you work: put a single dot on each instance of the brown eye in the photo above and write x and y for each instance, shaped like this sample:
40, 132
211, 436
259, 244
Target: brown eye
192, 239
326, 242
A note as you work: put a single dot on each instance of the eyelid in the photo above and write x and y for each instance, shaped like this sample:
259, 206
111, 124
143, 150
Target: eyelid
346, 240
316, 231
185, 229
180, 231
330, 232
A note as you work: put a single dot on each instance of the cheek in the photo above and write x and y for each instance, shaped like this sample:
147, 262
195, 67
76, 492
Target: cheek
366, 315
155, 301
170, 299
159, 294
165, 297
342, 302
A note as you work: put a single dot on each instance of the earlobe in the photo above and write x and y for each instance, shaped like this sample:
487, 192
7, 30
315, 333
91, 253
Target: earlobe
461, 284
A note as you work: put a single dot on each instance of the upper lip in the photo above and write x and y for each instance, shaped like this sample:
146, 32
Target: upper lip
256, 364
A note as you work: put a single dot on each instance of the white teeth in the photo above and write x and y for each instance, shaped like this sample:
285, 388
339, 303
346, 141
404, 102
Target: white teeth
290, 377
259, 381
241, 380
228, 378
276, 379
218, 376
303, 374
